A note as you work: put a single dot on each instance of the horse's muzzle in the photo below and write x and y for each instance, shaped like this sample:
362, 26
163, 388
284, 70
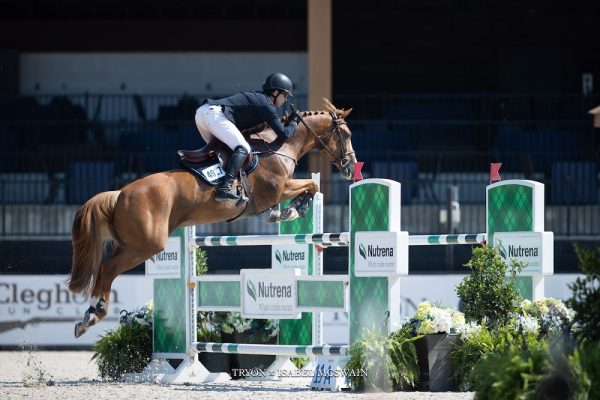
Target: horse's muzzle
347, 168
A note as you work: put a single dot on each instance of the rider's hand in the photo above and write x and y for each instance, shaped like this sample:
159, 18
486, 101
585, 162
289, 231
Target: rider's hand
294, 116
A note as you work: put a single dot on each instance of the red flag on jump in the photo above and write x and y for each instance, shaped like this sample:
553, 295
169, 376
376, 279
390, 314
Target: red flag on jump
495, 172
357, 174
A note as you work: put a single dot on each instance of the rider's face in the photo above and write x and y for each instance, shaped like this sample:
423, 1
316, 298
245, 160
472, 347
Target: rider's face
280, 98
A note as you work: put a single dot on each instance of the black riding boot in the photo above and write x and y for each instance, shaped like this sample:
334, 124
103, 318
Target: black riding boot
225, 192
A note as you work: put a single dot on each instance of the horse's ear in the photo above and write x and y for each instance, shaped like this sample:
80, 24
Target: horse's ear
344, 113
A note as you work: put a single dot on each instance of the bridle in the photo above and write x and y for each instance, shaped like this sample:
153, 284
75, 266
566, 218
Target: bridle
337, 122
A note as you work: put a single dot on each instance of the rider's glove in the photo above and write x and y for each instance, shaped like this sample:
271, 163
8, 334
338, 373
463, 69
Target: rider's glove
294, 116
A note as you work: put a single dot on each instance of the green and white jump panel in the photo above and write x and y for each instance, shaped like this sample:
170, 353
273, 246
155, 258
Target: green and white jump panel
515, 224
173, 316
308, 330
374, 300
267, 293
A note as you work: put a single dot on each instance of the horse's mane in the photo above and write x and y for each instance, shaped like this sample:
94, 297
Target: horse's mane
330, 108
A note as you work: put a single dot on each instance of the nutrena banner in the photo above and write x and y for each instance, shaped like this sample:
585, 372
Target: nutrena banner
291, 256
167, 263
269, 293
535, 249
381, 253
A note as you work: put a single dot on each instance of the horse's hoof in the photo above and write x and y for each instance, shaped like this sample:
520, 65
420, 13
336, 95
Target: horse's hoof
289, 214
80, 329
89, 319
274, 216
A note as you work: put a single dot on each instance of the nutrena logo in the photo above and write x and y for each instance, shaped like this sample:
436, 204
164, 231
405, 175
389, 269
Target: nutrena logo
251, 289
268, 290
375, 251
517, 251
289, 255
165, 256
502, 249
362, 250
520, 251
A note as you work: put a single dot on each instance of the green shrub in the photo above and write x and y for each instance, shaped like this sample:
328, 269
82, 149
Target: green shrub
300, 362
511, 374
489, 294
533, 369
481, 343
589, 357
201, 262
390, 361
473, 347
586, 294
128, 348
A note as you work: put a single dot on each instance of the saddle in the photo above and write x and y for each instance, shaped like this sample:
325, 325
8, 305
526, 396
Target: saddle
208, 163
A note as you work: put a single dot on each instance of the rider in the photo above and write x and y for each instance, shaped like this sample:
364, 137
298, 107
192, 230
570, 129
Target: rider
224, 118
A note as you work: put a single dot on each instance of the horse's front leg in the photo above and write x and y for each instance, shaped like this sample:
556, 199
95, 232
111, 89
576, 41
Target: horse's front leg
302, 192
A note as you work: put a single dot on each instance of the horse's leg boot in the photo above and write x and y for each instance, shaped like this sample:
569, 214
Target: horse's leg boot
89, 319
303, 208
225, 192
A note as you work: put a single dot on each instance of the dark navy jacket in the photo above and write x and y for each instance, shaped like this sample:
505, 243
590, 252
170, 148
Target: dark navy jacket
248, 109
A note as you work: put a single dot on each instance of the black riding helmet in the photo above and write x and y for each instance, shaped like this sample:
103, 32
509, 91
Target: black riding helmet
278, 81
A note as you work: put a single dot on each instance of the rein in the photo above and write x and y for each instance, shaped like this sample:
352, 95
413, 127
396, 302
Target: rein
269, 151
337, 122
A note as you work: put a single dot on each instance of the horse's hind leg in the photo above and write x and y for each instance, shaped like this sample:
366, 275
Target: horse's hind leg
96, 302
122, 260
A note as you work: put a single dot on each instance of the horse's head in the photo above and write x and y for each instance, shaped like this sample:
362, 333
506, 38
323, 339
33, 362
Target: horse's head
332, 138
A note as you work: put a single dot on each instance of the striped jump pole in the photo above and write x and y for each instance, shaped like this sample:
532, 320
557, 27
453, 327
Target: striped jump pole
323, 239
271, 349
436, 240
332, 239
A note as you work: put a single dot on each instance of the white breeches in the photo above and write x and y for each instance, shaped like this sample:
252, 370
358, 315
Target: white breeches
211, 122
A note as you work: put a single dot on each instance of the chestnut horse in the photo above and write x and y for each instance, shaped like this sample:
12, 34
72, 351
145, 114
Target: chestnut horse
138, 219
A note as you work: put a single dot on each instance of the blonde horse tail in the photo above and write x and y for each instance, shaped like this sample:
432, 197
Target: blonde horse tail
91, 234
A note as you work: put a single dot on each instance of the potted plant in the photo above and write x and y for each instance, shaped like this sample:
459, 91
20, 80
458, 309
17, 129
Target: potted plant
210, 331
437, 329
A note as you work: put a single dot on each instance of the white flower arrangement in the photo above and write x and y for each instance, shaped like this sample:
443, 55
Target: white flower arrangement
469, 330
141, 315
431, 319
527, 324
231, 322
551, 314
